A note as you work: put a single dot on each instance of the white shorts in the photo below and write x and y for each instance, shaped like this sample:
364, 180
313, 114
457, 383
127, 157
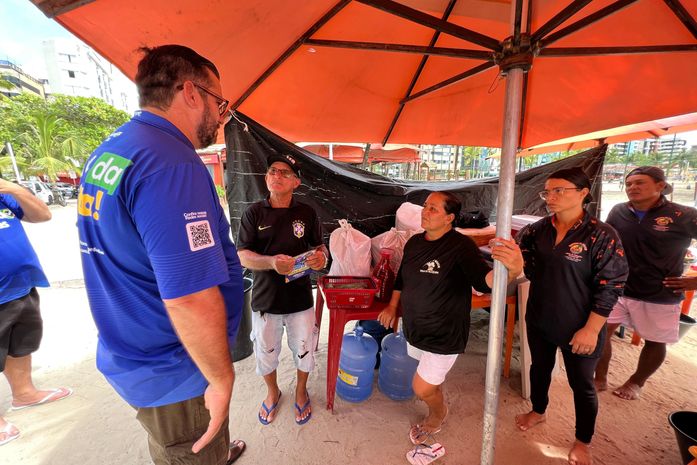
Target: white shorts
653, 322
267, 333
432, 367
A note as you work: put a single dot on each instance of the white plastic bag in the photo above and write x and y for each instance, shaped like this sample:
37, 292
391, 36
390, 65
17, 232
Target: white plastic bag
409, 217
392, 239
350, 251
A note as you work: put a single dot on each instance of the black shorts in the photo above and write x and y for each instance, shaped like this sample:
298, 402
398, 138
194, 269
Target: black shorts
21, 327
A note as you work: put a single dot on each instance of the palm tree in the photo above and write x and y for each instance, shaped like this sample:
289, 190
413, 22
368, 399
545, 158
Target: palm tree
48, 147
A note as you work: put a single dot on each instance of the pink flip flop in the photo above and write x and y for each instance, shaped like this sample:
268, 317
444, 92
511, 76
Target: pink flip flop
53, 396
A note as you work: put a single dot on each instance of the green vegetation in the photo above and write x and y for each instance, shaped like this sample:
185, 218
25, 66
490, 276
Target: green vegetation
5, 85
54, 135
678, 163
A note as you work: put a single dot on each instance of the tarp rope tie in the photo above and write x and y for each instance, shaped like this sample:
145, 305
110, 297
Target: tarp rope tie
234, 115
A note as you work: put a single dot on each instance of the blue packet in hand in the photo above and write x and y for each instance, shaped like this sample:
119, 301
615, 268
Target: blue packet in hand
300, 267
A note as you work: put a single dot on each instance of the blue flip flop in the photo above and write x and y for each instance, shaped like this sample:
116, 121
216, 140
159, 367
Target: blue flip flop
269, 410
302, 410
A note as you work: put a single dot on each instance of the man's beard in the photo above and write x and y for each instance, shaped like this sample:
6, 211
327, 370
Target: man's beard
207, 131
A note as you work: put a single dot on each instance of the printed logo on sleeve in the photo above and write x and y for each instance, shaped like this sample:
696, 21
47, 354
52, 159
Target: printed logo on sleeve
195, 215
6, 214
107, 171
200, 235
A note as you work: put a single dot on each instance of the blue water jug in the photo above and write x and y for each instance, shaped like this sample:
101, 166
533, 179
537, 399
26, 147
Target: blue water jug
397, 368
356, 366
378, 331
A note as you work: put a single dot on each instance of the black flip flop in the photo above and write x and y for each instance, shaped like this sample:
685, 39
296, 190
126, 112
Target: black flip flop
236, 448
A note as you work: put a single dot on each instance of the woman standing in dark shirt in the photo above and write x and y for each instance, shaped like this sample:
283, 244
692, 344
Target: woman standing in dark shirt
435, 280
577, 269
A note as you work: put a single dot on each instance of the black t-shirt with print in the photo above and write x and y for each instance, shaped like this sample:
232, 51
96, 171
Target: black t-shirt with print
271, 231
436, 280
585, 272
655, 247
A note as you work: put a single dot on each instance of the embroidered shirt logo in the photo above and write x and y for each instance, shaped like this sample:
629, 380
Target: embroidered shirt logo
298, 229
575, 252
431, 267
261, 228
662, 223
6, 214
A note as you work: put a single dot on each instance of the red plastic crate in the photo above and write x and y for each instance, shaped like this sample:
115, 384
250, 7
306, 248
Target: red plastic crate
338, 297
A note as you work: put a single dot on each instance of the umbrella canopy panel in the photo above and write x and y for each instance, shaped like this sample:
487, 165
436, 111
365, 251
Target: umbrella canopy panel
647, 130
338, 70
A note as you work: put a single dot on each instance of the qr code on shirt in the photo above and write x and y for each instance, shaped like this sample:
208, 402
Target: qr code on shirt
199, 234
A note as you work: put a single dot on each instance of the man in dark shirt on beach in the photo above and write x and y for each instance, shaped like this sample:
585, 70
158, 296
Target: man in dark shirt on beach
272, 232
655, 233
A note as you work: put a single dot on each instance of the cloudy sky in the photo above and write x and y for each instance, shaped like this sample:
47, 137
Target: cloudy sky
23, 28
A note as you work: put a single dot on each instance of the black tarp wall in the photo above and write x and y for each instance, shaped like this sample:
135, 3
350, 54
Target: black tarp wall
369, 201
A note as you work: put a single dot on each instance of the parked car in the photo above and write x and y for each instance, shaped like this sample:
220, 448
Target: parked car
69, 191
41, 190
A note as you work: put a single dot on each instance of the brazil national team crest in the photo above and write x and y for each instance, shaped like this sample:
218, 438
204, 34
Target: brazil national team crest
298, 229
575, 253
662, 223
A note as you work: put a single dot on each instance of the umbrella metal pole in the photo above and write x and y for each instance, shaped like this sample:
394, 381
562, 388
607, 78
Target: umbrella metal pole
511, 128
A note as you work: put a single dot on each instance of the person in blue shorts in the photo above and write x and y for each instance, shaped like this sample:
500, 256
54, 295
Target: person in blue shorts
162, 275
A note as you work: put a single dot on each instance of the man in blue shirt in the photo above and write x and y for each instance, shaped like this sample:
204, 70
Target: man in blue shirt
162, 274
21, 326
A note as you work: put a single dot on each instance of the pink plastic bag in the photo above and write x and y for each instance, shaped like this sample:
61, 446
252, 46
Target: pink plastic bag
392, 239
409, 217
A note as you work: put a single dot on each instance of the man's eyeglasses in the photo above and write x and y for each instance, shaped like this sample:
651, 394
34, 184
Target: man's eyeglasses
557, 192
223, 104
285, 173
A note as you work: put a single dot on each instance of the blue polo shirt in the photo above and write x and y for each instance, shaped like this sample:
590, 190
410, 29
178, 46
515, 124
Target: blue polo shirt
20, 269
151, 228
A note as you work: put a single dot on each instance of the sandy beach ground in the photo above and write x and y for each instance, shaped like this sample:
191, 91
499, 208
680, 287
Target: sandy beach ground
94, 426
